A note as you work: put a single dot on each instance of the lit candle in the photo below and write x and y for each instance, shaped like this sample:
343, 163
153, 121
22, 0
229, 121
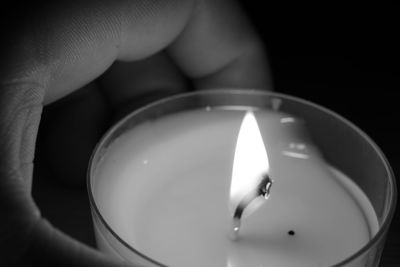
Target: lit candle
169, 188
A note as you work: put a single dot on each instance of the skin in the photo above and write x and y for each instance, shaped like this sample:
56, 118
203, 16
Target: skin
54, 49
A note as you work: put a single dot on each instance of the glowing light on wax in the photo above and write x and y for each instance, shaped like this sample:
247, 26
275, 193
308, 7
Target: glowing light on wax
250, 165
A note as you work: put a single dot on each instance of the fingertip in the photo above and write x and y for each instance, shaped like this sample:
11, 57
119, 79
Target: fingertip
220, 48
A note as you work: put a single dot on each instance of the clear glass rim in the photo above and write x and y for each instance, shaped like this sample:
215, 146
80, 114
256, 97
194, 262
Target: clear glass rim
392, 182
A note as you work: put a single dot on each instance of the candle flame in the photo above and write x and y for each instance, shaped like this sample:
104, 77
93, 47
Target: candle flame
250, 162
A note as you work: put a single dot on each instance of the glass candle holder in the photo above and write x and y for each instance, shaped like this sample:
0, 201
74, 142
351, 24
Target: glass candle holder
159, 185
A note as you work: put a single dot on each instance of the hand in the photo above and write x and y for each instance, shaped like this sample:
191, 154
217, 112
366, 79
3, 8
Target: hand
52, 49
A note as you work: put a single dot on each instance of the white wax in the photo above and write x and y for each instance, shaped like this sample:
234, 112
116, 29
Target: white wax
164, 188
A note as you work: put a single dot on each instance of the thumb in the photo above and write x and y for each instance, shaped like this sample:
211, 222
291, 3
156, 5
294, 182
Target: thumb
26, 239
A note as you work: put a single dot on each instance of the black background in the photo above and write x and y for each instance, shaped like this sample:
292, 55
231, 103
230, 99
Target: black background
344, 58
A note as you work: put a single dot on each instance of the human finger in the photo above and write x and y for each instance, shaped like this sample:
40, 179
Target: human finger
219, 48
68, 44
63, 48
26, 238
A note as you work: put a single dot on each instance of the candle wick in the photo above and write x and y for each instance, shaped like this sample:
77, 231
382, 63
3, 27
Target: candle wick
263, 190
265, 185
